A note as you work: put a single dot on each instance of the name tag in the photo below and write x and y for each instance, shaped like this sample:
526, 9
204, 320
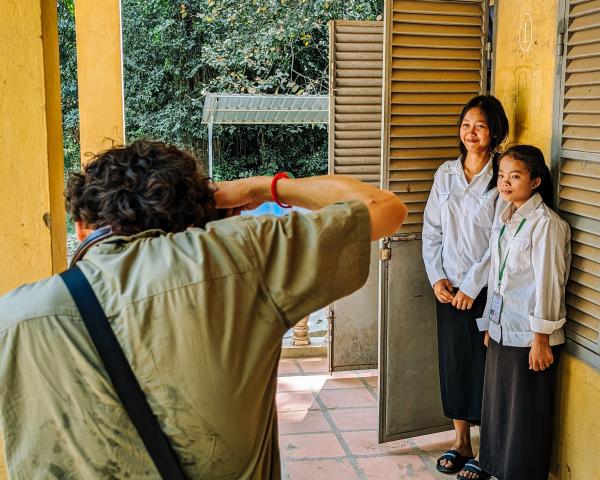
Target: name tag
495, 308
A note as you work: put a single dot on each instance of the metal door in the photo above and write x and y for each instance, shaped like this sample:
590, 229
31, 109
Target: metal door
434, 62
355, 77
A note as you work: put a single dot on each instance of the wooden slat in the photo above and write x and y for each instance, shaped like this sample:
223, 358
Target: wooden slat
356, 78
434, 68
440, 8
580, 209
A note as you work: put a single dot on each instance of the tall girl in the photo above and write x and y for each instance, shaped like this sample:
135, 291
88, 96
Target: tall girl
456, 230
524, 315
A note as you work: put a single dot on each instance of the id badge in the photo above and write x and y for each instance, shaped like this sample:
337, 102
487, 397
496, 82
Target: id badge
495, 308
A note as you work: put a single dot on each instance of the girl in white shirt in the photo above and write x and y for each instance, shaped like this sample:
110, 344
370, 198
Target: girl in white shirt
456, 229
523, 320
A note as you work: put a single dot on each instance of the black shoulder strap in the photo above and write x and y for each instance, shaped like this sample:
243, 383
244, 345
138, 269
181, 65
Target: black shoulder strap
122, 376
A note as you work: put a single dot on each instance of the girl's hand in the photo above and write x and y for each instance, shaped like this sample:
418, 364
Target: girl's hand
462, 301
486, 339
540, 354
443, 290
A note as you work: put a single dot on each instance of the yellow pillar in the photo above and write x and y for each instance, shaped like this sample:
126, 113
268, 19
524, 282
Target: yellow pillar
32, 218
525, 68
100, 75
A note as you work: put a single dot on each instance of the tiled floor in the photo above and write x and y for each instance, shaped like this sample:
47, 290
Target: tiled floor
328, 429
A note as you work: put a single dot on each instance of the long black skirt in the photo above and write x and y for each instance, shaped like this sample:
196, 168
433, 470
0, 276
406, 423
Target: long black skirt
461, 356
516, 428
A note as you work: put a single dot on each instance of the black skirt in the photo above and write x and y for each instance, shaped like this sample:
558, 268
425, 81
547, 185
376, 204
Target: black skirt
461, 356
517, 417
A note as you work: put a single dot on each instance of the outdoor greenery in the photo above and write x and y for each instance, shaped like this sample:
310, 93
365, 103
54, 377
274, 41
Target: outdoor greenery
176, 52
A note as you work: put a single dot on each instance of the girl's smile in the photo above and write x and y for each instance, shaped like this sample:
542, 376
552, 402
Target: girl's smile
475, 131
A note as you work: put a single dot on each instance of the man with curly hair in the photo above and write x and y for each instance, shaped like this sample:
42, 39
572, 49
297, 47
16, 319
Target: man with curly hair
198, 305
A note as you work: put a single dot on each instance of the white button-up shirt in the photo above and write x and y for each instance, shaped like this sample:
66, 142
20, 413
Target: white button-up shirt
457, 224
534, 279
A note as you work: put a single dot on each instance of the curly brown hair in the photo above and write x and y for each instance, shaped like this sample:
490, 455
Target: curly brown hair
145, 185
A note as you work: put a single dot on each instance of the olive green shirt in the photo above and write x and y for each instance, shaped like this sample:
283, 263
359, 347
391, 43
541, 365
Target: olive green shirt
200, 315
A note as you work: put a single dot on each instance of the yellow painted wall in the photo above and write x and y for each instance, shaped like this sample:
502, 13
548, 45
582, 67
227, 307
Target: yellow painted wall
32, 219
577, 422
525, 66
99, 73
525, 71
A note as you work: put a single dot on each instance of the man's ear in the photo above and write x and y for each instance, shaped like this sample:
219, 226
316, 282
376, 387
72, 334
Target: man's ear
82, 230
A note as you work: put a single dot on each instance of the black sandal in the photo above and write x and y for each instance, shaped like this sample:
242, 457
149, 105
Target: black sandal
472, 466
458, 462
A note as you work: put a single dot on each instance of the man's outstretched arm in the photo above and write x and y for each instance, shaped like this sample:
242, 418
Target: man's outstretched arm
386, 211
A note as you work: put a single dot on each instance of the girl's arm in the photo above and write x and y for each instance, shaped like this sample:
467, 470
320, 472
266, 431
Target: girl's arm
550, 252
432, 245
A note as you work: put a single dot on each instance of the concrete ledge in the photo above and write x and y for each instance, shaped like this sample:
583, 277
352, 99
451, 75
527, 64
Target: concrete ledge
317, 348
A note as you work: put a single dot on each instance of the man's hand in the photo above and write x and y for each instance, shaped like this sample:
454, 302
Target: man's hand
243, 194
540, 354
486, 339
462, 301
443, 290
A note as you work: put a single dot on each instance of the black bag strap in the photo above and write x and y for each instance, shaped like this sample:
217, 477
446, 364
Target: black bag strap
122, 376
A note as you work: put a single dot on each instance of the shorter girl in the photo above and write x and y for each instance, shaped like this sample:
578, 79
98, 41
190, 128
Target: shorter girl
524, 315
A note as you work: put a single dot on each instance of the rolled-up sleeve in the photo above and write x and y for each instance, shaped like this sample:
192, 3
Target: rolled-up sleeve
550, 262
432, 236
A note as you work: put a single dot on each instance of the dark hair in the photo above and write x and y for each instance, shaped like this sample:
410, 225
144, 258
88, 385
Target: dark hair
495, 116
142, 186
533, 158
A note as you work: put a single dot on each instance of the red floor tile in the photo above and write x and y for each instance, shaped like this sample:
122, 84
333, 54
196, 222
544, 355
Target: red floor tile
302, 421
364, 418
366, 443
347, 397
395, 467
332, 383
295, 383
314, 365
295, 401
321, 470
310, 445
287, 366
435, 441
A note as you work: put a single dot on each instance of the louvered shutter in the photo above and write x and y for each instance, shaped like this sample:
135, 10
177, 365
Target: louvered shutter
434, 65
579, 189
355, 78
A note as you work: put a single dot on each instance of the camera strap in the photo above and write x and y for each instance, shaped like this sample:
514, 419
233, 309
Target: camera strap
123, 379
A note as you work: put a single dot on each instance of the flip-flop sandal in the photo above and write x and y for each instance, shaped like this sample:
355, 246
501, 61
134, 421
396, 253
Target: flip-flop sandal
472, 466
458, 462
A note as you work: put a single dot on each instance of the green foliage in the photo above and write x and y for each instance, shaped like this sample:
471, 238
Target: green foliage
68, 78
176, 52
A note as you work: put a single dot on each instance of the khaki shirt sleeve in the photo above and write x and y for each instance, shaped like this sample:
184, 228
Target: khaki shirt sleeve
308, 261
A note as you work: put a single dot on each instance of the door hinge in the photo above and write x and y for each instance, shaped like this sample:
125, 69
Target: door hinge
560, 44
488, 51
385, 253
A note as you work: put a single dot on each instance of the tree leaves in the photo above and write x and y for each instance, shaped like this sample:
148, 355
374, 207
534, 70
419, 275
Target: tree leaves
176, 52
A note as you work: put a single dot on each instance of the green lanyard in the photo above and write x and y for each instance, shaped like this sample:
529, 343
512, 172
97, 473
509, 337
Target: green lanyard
503, 264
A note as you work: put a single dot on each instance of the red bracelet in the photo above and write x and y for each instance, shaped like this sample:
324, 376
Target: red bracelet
274, 188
